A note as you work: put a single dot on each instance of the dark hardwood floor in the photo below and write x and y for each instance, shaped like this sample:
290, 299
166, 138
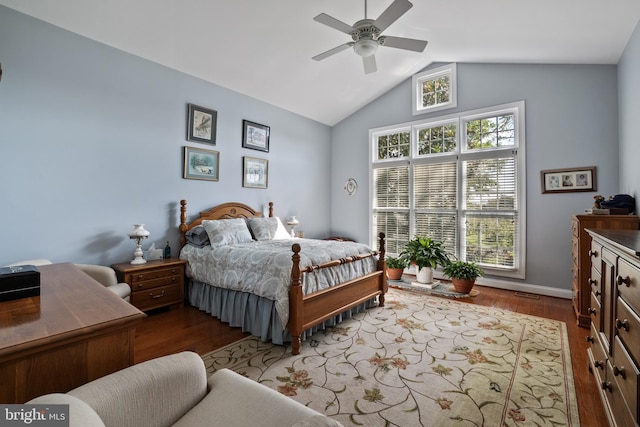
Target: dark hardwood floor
169, 331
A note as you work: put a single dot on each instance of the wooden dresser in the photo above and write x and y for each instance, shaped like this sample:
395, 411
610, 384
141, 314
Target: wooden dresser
614, 352
154, 284
580, 260
76, 331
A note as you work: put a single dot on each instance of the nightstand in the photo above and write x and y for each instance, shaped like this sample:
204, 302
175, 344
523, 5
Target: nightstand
154, 284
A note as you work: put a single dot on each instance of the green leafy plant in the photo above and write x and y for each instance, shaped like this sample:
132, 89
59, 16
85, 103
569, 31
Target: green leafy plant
462, 270
393, 262
425, 252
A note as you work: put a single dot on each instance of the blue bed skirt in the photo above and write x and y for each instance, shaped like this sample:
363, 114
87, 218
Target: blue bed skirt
254, 314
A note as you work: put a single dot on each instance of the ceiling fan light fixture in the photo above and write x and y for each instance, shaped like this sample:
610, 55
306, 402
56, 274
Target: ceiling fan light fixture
366, 47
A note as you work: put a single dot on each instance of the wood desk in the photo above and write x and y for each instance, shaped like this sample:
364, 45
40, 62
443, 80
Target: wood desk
74, 332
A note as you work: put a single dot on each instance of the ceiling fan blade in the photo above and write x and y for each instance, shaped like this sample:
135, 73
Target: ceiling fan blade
369, 64
391, 15
403, 43
332, 22
333, 51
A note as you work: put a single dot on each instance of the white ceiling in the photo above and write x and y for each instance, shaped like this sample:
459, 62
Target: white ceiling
263, 48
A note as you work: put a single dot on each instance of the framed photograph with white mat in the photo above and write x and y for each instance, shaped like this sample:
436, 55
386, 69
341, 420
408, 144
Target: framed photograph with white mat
255, 172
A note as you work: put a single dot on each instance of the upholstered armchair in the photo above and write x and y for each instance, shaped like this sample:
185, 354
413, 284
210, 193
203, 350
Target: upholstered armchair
175, 391
107, 277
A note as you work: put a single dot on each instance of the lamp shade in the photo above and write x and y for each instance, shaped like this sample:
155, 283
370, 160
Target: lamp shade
138, 232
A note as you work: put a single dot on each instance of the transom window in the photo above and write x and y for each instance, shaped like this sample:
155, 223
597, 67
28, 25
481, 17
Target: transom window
434, 89
458, 179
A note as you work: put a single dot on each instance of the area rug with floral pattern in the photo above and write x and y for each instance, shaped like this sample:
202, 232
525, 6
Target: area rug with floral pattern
422, 361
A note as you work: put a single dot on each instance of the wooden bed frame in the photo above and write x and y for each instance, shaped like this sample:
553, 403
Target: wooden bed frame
306, 311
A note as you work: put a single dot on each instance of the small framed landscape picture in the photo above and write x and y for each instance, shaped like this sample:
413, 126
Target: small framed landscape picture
201, 164
201, 124
569, 180
255, 136
255, 172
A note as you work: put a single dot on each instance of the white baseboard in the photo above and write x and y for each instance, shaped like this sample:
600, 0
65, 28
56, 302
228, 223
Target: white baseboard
521, 287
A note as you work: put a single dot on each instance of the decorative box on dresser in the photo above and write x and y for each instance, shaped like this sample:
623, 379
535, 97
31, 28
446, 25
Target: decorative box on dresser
154, 284
614, 351
580, 258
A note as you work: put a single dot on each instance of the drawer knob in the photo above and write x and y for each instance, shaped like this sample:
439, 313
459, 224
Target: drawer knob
591, 310
593, 253
173, 271
590, 339
598, 364
619, 372
626, 280
597, 293
592, 281
622, 324
606, 385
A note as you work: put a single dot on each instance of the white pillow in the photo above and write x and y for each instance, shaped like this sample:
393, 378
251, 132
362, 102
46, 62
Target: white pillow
268, 228
227, 231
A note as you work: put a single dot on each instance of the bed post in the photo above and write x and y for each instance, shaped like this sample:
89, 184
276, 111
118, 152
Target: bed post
270, 209
183, 222
382, 265
295, 301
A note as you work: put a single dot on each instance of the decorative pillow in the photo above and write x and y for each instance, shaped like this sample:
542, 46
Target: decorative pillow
197, 236
227, 231
268, 228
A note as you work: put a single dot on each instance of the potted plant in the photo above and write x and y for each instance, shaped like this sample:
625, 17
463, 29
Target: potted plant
463, 275
395, 267
426, 254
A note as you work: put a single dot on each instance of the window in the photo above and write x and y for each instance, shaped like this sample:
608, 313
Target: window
458, 179
434, 90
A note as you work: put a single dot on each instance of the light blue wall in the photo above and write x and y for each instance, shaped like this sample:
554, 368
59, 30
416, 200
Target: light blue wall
629, 105
571, 121
91, 142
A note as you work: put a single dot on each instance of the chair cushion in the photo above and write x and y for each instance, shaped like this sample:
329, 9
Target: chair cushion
234, 400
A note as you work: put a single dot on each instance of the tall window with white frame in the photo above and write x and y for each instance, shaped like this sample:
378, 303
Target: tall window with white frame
457, 179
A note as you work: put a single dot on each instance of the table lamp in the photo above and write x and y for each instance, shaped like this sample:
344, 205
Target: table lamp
138, 234
292, 222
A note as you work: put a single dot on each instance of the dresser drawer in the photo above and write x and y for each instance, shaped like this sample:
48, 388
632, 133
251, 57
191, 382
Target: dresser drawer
599, 362
626, 374
628, 281
575, 250
156, 273
595, 312
627, 324
594, 281
157, 297
595, 253
615, 400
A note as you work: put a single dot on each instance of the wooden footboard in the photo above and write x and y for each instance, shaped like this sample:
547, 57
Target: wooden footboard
306, 311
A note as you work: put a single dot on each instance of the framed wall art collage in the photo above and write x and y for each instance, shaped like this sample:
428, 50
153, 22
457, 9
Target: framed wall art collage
204, 163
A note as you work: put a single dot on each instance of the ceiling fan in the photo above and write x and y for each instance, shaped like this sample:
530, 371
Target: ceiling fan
366, 34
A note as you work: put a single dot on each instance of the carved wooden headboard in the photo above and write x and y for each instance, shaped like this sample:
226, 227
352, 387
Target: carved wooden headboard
223, 211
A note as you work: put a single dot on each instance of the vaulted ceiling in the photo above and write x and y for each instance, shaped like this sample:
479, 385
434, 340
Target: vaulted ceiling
263, 48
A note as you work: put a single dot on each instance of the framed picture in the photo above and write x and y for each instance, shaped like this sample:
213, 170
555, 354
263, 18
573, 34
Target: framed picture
569, 180
255, 136
201, 164
255, 172
201, 124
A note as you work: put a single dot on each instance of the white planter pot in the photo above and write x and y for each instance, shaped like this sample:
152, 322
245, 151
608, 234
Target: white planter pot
425, 275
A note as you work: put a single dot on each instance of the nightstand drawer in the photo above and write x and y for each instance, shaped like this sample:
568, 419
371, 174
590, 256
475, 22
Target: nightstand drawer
154, 283
157, 297
146, 275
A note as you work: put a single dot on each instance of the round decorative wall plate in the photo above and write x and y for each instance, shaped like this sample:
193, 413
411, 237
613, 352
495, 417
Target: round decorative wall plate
350, 187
